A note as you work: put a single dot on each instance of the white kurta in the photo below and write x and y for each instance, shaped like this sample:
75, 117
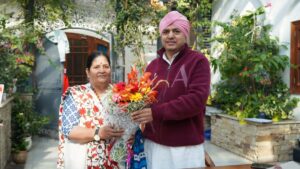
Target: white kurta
164, 157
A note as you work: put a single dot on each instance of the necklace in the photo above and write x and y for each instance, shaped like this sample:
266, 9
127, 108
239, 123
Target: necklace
98, 96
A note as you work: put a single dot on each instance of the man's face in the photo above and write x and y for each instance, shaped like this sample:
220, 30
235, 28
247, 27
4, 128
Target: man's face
172, 39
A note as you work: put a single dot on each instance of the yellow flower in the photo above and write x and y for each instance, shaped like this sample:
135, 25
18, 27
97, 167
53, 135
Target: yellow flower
145, 90
136, 97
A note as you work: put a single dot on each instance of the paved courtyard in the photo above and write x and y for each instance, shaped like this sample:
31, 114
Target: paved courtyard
43, 155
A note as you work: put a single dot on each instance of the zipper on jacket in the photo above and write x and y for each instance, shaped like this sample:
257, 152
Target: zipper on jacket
167, 78
163, 99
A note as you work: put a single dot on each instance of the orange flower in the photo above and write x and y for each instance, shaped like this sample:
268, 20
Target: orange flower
134, 87
132, 76
145, 77
136, 90
82, 111
119, 87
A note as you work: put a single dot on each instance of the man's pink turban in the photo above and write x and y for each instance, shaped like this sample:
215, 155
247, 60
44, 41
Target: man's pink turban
178, 20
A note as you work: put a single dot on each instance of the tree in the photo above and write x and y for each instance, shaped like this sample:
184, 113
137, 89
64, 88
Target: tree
21, 34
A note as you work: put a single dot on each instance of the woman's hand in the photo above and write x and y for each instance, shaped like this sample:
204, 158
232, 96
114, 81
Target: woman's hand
109, 132
142, 116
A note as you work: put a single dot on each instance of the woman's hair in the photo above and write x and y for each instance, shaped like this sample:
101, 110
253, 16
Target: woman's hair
94, 55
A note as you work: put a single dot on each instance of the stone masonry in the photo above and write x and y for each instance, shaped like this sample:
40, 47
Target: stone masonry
5, 132
268, 142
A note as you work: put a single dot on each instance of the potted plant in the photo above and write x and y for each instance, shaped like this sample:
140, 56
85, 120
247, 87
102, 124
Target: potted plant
25, 122
19, 144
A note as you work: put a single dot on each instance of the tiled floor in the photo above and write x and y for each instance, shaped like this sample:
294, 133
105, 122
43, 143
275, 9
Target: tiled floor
43, 154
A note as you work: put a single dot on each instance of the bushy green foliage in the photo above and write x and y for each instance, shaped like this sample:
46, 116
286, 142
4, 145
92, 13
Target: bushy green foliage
135, 21
250, 65
25, 122
20, 36
18, 132
16, 62
199, 15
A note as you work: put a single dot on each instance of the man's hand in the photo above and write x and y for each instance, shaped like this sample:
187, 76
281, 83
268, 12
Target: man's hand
142, 116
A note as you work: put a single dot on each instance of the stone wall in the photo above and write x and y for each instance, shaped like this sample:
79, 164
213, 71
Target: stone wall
255, 141
209, 111
5, 132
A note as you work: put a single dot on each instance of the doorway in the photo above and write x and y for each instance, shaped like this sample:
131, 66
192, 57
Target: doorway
80, 47
295, 58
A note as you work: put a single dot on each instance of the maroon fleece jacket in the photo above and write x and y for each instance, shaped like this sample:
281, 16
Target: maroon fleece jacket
178, 116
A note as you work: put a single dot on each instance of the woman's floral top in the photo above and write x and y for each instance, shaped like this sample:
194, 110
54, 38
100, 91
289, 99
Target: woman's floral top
88, 107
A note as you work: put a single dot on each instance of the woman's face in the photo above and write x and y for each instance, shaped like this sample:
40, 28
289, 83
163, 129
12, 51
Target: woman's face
99, 72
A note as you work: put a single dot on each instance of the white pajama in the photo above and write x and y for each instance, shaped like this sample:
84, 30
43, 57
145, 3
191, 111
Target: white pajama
165, 157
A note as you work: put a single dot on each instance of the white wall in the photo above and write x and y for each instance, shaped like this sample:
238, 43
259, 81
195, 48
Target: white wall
280, 15
150, 54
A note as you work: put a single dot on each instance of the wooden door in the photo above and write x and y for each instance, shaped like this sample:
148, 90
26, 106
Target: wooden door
80, 47
295, 58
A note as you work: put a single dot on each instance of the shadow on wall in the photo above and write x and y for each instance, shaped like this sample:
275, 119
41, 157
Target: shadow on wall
48, 79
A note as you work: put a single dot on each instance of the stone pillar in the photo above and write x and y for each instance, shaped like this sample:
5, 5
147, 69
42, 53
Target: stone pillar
5, 131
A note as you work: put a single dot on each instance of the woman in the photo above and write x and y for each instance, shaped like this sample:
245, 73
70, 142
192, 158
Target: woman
82, 134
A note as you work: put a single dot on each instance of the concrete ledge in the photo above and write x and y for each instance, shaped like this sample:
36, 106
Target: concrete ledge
257, 142
5, 131
6, 101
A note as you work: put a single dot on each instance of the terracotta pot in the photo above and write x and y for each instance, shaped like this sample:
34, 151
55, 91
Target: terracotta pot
20, 157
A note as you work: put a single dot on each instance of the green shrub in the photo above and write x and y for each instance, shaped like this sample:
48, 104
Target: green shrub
24, 122
251, 65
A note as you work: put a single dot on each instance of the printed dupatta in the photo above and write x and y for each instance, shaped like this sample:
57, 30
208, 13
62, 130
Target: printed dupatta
89, 108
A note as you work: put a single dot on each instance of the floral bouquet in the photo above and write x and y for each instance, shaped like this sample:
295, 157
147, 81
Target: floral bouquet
121, 100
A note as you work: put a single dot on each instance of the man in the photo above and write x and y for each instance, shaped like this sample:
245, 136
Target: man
174, 129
